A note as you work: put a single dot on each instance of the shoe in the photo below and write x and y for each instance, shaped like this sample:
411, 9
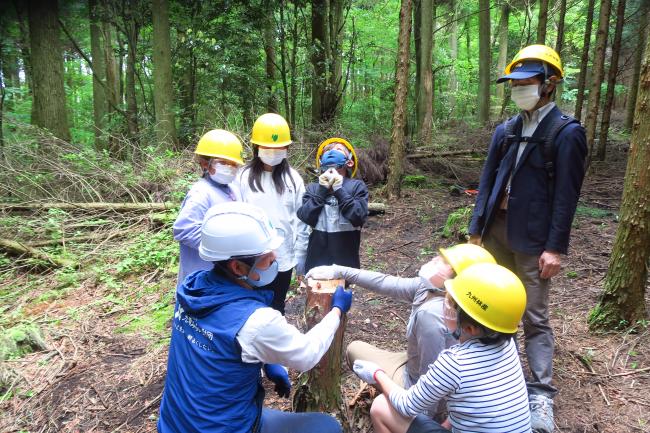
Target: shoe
541, 413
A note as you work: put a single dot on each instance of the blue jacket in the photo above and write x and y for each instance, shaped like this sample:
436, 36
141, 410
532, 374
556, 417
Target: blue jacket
208, 388
336, 219
536, 222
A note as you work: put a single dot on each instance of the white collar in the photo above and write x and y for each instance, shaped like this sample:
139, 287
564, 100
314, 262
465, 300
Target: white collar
539, 114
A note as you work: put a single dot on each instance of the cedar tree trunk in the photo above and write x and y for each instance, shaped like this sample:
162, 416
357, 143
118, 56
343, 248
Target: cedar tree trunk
162, 74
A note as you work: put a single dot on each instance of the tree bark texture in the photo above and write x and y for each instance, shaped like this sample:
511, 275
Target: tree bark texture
559, 44
453, 55
623, 298
131, 30
611, 82
319, 390
584, 61
397, 145
269, 51
49, 106
644, 12
23, 42
162, 74
502, 60
425, 84
100, 105
485, 57
542, 22
597, 75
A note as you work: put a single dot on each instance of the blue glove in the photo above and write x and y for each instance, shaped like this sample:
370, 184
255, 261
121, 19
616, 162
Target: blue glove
278, 375
342, 299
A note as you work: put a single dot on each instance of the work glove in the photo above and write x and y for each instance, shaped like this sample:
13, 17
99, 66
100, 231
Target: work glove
342, 299
337, 181
324, 273
326, 179
300, 265
366, 370
280, 377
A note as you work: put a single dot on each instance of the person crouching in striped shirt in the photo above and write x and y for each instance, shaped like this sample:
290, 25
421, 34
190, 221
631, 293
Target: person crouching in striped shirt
481, 377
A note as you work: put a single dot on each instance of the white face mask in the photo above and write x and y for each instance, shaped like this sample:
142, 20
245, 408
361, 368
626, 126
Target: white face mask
224, 173
272, 157
525, 97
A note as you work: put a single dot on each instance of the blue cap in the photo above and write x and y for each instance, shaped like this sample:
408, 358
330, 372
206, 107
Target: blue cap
524, 69
333, 158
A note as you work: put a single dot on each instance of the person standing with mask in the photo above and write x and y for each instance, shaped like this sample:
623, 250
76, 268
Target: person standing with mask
269, 182
219, 154
528, 194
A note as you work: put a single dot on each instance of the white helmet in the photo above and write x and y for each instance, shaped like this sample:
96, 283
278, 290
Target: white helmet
236, 229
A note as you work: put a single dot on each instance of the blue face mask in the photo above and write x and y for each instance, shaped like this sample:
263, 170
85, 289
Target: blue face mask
333, 158
266, 275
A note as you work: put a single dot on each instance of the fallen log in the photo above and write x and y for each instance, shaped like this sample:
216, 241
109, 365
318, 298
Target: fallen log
117, 207
79, 239
434, 154
16, 248
319, 390
376, 208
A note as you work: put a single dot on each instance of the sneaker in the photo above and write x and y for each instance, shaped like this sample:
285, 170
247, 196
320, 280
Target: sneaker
541, 413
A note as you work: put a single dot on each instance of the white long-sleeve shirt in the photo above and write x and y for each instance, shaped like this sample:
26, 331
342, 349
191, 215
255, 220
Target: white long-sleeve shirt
281, 210
484, 386
267, 337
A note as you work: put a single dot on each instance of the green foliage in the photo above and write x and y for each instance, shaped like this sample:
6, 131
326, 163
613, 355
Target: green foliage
149, 252
593, 212
20, 340
416, 181
457, 223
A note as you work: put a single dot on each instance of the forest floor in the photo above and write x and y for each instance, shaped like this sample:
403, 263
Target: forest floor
104, 369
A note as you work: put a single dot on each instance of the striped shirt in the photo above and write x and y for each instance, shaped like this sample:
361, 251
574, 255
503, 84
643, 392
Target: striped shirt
484, 386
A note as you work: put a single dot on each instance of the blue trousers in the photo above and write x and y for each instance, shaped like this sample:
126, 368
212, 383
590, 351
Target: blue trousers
277, 421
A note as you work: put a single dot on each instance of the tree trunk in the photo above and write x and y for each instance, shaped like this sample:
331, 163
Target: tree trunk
187, 95
503, 48
622, 303
269, 51
644, 12
162, 74
453, 55
542, 21
132, 31
23, 42
49, 109
425, 85
319, 390
584, 61
397, 146
100, 105
597, 75
485, 60
559, 45
318, 59
611, 82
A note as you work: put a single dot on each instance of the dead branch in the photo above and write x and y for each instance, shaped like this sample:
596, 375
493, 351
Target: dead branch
117, 207
434, 154
16, 248
85, 238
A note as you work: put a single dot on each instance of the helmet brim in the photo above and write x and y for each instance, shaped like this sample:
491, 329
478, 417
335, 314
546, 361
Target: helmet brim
521, 75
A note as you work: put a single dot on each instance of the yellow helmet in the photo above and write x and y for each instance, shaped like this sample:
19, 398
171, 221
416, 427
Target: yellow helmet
219, 143
271, 130
344, 142
462, 256
490, 294
537, 52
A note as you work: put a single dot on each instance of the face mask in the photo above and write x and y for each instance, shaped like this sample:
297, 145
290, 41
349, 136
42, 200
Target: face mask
272, 157
224, 173
525, 97
436, 272
266, 275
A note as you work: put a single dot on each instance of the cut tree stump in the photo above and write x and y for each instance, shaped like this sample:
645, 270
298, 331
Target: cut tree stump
319, 389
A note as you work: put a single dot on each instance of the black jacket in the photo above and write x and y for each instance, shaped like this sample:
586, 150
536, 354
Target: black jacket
336, 219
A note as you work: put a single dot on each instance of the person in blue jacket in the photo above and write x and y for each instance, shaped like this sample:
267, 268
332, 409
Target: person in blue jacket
336, 207
219, 154
527, 198
224, 333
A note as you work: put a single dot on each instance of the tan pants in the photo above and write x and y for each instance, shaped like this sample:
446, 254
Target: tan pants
394, 364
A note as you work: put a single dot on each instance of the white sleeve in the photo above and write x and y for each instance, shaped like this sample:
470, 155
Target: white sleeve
302, 230
267, 337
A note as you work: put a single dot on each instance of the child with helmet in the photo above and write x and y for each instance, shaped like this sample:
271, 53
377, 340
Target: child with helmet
224, 334
481, 377
219, 154
426, 333
335, 207
270, 182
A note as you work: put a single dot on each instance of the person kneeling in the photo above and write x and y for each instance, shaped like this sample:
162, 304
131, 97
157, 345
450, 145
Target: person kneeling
481, 377
224, 332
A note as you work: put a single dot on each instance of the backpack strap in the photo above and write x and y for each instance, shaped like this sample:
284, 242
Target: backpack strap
510, 134
548, 148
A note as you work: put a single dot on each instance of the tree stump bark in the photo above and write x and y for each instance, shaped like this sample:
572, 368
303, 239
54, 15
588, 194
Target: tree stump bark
319, 390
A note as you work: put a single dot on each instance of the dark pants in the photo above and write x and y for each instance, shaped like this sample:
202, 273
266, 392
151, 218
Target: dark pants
424, 424
537, 328
280, 286
276, 421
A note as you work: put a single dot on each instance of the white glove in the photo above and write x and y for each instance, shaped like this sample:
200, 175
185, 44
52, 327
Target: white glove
366, 371
326, 179
324, 273
337, 181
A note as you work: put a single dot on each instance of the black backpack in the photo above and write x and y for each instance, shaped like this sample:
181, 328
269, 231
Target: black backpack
547, 142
